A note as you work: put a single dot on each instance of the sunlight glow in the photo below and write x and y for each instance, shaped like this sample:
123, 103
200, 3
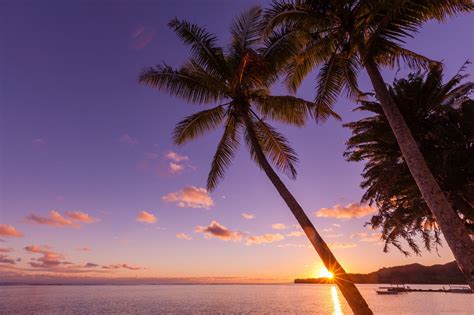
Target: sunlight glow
335, 301
324, 273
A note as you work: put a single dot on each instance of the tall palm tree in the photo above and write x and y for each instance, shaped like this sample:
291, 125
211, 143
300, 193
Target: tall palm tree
238, 80
343, 37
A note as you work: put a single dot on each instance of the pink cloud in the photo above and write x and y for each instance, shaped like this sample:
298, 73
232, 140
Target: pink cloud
71, 219
48, 259
279, 226
341, 245
293, 245
352, 210
295, 234
366, 237
146, 217
80, 217
141, 37
84, 249
175, 168
38, 142
55, 219
4, 259
175, 157
124, 266
248, 216
216, 230
127, 139
5, 250
190, 197
265, 238
10, 231
184, 236
333, 235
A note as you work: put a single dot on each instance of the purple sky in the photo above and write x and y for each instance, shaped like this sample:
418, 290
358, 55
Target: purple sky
78, 133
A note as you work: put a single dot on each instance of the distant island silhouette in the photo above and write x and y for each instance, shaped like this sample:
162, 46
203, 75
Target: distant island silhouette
414, 274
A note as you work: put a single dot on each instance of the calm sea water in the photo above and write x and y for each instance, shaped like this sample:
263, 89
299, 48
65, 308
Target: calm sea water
219, 299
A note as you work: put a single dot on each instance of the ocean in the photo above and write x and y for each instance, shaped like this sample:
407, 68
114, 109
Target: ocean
219, 299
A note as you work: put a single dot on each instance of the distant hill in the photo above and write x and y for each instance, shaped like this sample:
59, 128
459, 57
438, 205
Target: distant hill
414, 274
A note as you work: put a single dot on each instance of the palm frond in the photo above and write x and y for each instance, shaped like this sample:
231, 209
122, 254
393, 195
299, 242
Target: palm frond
275, 147
442, 9
198, 123
245, 29
203, 46
310, 56
182, 83
330, 81
225, 152
286, 109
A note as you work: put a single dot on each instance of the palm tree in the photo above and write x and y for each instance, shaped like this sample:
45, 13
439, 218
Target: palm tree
441, 116
238, 79
343, 37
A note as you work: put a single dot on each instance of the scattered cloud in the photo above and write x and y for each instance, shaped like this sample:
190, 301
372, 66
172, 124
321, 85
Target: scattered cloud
84, 249
341, 245
190, 197
293, 245
279, 226
4, 259
48, 258
175, 168
5, 250
38, 142
127, 139
215, 229
175, 157
171, 163
184, 236
334, 235
146, 217
141, 37
265, 238
336, 225
124, 266
366, 237
91, 265
70, 219
295, 234
329, 229
9, 231
248, 216
352, 210
80, 216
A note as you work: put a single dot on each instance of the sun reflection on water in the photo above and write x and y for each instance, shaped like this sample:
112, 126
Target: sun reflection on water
335, 301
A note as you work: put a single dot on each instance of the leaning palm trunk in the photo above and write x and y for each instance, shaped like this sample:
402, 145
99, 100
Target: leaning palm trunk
454, 231
347, 287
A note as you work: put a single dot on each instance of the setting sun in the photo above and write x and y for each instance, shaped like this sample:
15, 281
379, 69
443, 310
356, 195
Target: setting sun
324, 273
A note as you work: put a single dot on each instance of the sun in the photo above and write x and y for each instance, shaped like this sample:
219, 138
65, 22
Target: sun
324, 273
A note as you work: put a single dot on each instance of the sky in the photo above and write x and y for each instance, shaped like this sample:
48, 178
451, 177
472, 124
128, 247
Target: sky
91, 184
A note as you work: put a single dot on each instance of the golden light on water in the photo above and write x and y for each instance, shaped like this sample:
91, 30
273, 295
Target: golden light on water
335, 301
324, 273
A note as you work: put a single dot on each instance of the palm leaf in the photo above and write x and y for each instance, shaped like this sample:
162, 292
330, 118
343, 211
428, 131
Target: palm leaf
245, 30
197, 124
330, 80
203, 46
182, 83
225, 152
275, 147
286, 109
